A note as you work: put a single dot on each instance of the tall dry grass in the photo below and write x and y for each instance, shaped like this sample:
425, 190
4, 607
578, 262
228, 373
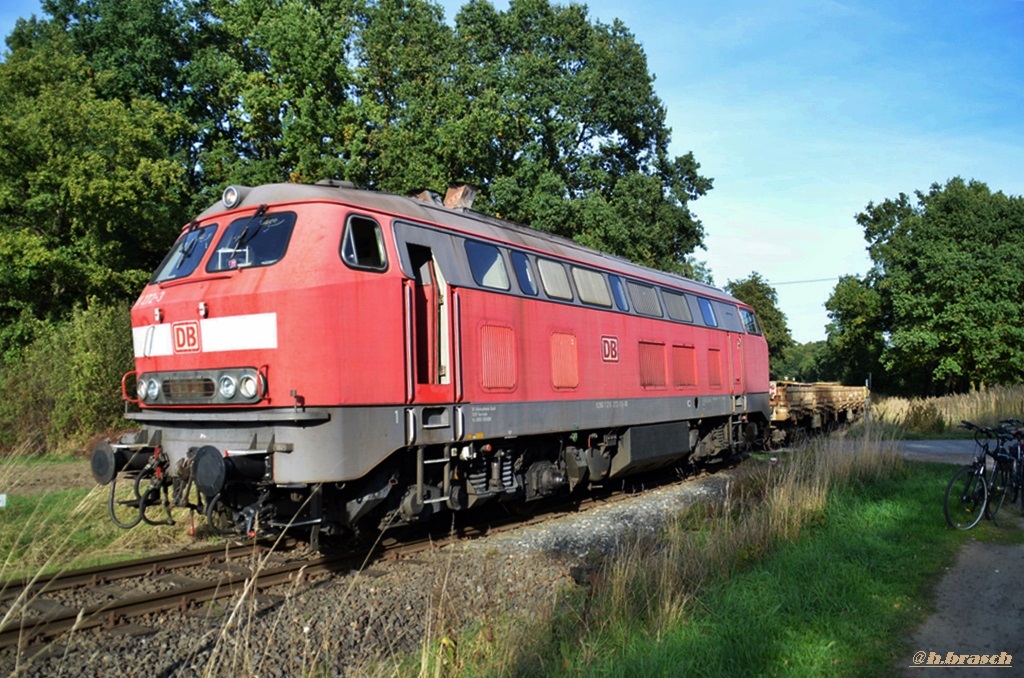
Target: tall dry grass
651, 583
937, 415
44, 530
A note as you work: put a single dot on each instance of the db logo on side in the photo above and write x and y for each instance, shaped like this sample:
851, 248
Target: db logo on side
185, 337
610, 349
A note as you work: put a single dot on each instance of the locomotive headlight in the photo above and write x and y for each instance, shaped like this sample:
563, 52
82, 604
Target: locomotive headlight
234, 195
153, 389
140, 389
248, 386
227, 386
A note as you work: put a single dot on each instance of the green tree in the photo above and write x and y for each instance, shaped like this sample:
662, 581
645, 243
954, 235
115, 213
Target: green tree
802, 363
573, 138
86, 190
756, 291
294, 114
120, 118
855, 342
940, 310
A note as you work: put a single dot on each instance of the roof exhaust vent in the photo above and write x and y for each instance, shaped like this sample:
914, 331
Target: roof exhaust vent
335, 183
460, 196
427, 196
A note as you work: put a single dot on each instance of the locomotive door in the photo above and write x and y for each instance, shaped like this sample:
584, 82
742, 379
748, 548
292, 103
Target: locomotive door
737, 363
428, 329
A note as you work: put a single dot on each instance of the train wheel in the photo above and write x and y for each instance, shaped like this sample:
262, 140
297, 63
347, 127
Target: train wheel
124, 503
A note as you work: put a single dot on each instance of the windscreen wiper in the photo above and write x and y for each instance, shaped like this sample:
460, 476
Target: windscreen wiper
244, 237
190, 245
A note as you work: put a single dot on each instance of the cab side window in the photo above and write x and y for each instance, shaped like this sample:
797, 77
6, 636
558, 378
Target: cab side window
708, 311
750, 321
524, 273
554, 279
363, 244
619, 292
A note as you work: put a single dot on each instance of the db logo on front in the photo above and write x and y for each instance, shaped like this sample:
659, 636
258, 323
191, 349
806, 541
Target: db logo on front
185, 337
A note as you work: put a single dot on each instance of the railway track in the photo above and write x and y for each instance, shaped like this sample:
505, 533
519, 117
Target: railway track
31, 619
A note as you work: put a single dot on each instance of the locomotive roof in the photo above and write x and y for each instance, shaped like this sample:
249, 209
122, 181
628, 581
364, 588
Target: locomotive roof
463, 220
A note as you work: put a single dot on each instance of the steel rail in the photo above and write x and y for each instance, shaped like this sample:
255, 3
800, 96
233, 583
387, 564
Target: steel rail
58, 581
22, 631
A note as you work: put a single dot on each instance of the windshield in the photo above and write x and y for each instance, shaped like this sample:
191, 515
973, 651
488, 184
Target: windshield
257, 240
186, 254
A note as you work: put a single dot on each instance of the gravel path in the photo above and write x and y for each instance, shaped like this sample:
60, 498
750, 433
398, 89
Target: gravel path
974, 613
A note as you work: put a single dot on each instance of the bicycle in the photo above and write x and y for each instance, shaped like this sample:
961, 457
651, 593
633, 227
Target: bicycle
1004, 478
967, 494
1015, 450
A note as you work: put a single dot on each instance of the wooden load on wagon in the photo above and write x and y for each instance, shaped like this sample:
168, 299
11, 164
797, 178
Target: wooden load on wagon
798, 408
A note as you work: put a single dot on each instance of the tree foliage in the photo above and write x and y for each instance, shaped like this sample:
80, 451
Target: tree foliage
756, 291
121, 117
86, 190
856, 334
940, 310
803, 363
65, 384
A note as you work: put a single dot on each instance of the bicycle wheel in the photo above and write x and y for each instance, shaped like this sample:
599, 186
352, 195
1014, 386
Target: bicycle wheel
1014, 487
998, 488
966, 496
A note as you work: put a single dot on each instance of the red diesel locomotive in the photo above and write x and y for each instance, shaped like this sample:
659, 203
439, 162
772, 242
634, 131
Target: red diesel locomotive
325, 357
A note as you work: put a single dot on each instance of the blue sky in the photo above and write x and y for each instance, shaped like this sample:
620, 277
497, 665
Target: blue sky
804, 111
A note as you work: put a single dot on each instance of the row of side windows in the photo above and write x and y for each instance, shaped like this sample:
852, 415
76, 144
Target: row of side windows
363, 248
594, 288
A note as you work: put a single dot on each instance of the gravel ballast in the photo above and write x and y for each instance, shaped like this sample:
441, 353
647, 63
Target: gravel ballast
342, 623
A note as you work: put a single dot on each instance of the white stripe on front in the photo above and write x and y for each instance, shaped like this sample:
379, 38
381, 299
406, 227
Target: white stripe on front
239, 332
152, 340
233, 333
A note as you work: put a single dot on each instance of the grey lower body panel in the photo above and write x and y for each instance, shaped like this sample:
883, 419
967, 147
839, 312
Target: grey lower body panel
344, 443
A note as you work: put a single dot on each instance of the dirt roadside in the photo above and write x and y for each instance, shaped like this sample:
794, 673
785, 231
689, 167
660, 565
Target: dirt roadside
978, 607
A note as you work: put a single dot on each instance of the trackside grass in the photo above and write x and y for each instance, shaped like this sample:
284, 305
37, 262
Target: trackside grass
43, 531
820, 565
837, 600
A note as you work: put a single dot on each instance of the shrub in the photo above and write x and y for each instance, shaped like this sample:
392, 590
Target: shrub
65, 386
